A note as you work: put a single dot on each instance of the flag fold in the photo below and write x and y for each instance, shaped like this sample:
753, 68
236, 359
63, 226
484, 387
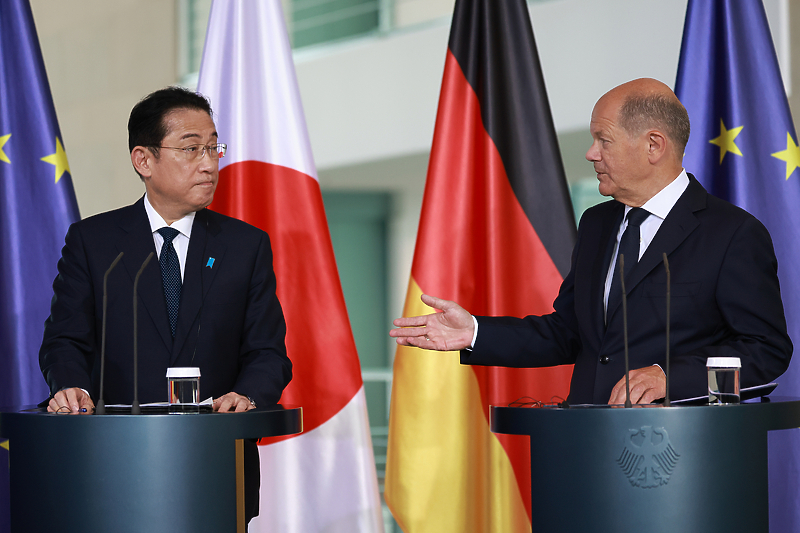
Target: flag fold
743, 148
323, 479
496, 233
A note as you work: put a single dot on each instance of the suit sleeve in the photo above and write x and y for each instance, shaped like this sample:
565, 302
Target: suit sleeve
754, 326
533, 341
265, 369
65, 356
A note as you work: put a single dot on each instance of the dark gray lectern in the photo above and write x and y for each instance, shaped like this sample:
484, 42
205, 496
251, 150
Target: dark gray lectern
151, 472
699, 468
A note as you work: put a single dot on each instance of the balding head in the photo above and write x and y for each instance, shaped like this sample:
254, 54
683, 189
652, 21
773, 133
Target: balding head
640, 130
646, 104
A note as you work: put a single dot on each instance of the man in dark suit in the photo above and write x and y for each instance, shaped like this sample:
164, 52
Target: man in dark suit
208, 300
724, 292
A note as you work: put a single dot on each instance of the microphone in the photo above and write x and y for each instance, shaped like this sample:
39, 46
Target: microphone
625, 329
135, 409
101, 406
666, 268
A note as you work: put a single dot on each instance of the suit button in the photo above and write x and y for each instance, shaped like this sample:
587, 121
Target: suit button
604, 359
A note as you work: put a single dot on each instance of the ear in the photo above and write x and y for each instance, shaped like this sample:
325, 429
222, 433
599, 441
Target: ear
657, 146
141, 158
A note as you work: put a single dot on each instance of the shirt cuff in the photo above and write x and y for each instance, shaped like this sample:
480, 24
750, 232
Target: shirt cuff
474, 334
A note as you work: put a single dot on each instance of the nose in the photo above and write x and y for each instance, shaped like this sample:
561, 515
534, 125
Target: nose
593, 154
207, 159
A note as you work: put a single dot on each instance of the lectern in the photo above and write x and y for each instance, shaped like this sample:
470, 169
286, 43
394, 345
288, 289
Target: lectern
118, 472
654, 469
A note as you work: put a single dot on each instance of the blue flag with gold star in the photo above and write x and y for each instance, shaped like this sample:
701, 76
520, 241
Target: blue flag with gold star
743, 148
37, 204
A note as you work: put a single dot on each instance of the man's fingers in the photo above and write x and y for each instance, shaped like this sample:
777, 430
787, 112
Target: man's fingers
53, 406
232, 402
433, 301
408, 332
72, 400
87, 403
411, 321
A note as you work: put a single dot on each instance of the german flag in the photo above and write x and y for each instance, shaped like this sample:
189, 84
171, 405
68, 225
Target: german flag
496, 234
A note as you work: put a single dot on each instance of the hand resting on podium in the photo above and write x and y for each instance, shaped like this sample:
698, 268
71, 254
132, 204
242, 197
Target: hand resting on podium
233, 402
647, 385
73, 400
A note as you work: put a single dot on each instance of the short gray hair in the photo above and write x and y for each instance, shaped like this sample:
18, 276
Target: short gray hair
641, 112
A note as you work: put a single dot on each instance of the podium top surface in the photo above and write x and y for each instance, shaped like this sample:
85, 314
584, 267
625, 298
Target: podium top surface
257, 423
774, 414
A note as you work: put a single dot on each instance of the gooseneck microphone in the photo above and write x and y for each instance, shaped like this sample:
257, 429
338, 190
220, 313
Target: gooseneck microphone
100, 409
135, 409
666, 268
625, 329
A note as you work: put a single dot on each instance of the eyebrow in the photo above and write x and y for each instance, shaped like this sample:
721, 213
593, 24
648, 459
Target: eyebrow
197, 135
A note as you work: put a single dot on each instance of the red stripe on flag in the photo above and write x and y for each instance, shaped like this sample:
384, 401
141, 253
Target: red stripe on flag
287, 204
477, 247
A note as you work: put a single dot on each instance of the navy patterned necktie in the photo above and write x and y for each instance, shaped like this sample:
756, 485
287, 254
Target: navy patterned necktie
171, 275
629, 247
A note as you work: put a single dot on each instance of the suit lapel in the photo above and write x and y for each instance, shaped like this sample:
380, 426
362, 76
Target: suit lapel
605, 250
202, 264
678, 225
137, 244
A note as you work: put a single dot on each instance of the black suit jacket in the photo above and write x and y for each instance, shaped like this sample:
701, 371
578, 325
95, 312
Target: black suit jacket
230, 323
725, 302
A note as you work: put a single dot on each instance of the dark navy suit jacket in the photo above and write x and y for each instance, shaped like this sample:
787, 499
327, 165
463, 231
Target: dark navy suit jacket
725, 301
230, 323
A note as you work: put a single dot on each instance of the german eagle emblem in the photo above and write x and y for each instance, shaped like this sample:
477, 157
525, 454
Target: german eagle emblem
648, 458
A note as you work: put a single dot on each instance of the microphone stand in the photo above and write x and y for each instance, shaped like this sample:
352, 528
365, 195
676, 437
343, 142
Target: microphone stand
666, 267
135, 409
625, 329
100, 409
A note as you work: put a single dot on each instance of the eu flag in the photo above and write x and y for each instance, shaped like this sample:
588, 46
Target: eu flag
743, 148
37, 204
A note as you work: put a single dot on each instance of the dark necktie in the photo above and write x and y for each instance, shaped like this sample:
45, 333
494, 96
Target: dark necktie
171, 275
629, 247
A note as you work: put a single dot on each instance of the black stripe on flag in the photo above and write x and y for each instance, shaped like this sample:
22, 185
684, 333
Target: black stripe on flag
493, 42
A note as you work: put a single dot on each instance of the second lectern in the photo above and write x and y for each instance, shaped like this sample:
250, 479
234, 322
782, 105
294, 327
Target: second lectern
154, 472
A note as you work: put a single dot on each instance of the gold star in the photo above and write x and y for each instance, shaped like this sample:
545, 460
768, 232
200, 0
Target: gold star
4, 444
3, 157
791, 155
725, 140
59, 159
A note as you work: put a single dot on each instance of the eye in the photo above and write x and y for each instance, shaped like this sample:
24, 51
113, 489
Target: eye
191, 149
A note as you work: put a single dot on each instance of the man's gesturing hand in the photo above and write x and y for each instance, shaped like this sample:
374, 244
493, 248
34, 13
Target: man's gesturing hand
452, 329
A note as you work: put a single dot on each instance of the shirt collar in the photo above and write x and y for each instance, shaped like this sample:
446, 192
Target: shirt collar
662, 203
183, 225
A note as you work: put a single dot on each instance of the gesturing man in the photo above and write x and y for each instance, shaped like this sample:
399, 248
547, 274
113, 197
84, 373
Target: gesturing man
209, 301
725, 293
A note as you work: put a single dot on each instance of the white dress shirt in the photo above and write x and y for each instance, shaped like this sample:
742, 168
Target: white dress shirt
180, 242
659, 207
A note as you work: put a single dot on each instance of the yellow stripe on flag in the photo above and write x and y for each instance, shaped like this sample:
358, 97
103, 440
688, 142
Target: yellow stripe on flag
443, 462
